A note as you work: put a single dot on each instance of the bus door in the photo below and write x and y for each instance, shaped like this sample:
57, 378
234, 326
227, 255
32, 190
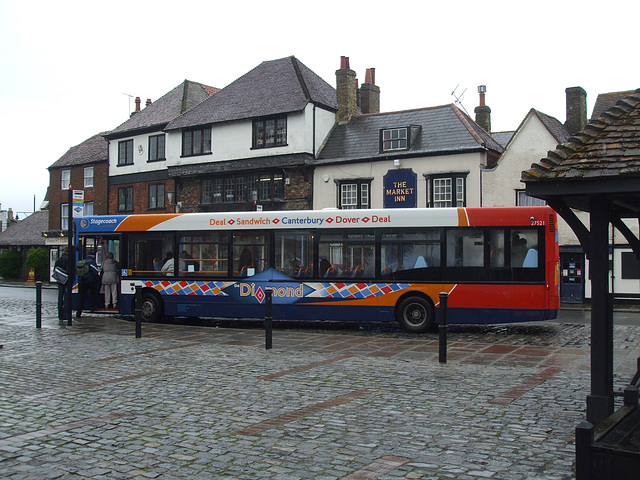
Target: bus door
99, 246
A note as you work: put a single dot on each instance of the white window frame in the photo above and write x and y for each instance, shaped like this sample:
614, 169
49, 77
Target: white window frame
65, 179
354, 194
64, 216
524, 200
88, 177
394, 139
447, 190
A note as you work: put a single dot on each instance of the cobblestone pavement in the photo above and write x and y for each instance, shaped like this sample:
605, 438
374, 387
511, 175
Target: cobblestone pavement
90, 401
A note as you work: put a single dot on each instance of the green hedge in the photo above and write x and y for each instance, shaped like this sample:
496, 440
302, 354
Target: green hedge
10, 262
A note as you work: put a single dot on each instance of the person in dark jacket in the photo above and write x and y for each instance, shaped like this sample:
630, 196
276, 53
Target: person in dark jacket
62, 263
88, 284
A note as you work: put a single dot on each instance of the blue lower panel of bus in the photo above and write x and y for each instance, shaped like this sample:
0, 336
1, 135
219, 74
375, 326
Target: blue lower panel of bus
312, 300
226, 307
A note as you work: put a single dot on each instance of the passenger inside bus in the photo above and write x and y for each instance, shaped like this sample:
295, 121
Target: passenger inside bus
168, 264
245, 262
324, 267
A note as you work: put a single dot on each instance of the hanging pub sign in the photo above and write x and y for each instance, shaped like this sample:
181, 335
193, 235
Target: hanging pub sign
400, 188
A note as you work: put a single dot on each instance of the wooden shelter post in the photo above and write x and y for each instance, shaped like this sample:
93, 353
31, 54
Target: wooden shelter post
600, 402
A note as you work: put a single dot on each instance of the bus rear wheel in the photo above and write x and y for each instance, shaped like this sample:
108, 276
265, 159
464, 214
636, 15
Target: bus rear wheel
415, 315
151, 308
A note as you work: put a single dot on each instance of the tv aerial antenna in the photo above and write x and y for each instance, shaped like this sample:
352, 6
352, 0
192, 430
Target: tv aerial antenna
459, 98
129, 105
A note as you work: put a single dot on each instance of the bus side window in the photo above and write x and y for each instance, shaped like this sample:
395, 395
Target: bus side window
496, 248
294, 254
465, 248
250, 253
524, 248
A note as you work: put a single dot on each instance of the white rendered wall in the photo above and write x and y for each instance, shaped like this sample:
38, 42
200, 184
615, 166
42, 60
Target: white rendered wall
530, 143
325, 177
141, 162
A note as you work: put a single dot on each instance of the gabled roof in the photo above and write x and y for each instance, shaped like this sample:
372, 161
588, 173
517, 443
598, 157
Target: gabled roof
171, 105
27, 231
554, 126
435, 131
607, 146
92, 150
274, 87
602, 159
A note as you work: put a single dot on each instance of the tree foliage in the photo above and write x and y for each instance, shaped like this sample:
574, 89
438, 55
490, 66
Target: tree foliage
10, 262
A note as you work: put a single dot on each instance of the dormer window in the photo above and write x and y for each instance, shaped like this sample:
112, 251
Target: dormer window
394, 139
270, 132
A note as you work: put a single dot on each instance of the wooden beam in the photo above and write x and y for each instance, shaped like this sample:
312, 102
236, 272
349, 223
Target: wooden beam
569, 216
622, 227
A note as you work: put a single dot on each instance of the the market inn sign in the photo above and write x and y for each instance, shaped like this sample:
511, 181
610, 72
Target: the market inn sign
400, 188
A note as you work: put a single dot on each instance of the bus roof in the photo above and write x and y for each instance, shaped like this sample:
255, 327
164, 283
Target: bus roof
297, 219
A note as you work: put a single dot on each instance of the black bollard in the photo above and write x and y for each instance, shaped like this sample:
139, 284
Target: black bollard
442, 327
268, 320
138, 311
38, 304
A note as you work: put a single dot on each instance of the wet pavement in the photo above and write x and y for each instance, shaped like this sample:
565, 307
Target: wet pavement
330, 401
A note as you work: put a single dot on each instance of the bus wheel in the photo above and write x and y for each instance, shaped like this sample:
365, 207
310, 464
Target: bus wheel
415, 315
151, 308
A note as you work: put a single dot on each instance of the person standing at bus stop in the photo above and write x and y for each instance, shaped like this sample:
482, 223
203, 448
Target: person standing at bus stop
62, 263
87, 283
110, 281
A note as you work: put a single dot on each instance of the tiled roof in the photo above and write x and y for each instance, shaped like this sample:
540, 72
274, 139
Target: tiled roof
27, 231
92, 150
608, 147
503, 137
554, 126
273, 87
435, 130
171, 105
605, 101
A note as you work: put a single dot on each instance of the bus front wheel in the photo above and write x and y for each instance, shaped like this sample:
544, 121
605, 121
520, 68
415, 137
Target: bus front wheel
415, 315
151, 308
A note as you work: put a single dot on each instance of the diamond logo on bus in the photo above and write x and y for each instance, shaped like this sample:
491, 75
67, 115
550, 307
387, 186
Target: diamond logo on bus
232, 221
329, 220
260, 294
276, 220
365, 219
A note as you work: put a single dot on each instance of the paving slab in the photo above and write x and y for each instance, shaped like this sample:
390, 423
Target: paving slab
90, 401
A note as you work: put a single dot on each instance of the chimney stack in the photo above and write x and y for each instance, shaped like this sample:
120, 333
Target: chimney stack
576, 109
369, 93
483, 113
148, 102
346, 89
137, 104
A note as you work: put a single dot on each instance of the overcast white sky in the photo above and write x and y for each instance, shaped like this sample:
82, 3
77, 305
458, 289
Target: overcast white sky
66, 66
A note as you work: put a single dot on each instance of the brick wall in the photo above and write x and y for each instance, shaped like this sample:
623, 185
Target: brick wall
297, 195
96, 194
140, 197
